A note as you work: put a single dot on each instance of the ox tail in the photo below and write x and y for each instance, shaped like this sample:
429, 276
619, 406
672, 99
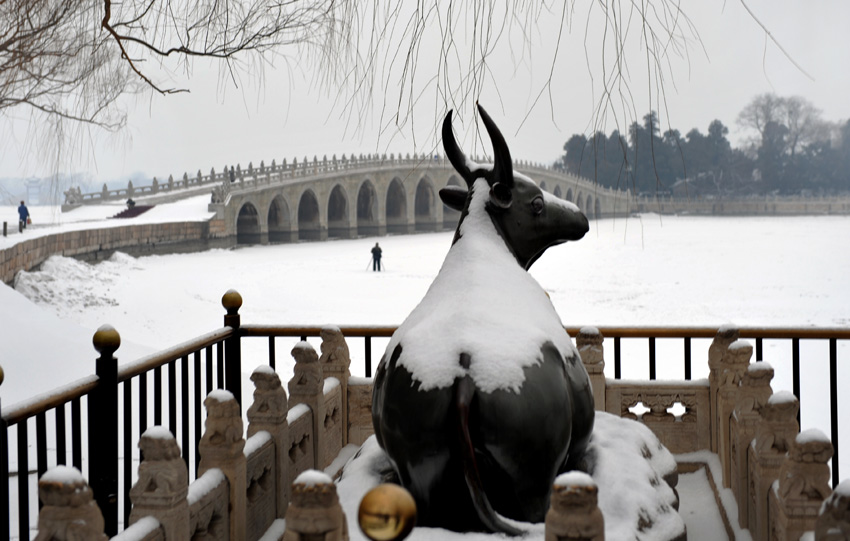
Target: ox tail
464, 392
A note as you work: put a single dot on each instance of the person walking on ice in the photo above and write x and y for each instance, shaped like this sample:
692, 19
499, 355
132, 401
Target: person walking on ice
23, 216
376, 258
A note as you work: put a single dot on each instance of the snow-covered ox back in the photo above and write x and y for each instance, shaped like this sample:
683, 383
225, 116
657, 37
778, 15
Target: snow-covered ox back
480, 399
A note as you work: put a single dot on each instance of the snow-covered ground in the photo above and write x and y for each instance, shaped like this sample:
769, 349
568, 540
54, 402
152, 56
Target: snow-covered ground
646, 270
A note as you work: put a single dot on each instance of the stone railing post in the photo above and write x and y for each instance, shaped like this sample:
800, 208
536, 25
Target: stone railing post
802, 487
315, 512
268, 412
733, 366
753, 393
69, 511
573, 512
232, 301
833, 523
306, 387
589, 345
163, 484
222, 447
774, 434
335, 362
725, 336
103, 414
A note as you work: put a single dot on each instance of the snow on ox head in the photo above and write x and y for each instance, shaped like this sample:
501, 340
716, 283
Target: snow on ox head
481, 399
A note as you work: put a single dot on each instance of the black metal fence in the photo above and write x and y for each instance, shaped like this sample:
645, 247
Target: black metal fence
95, 422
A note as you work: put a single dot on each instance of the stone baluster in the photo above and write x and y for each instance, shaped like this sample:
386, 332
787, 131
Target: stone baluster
589, 345
725, 336
268, 412
163, 484
833, 522
774, 434
753, 393
335, 362
802, 487
69, 511
315, 512
306, 387
733, 366
573, 512
222, 447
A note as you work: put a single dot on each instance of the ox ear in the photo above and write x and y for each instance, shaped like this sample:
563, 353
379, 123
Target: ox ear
502, 165
454, 153
454, 197
500, 195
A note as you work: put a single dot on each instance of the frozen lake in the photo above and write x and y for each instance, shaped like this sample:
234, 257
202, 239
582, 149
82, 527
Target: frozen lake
642, 271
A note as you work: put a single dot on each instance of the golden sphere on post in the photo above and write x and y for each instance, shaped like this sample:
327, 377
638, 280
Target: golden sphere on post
106, 340
387, 513
231, 301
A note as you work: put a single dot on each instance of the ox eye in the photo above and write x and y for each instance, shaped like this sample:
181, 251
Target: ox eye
537, 205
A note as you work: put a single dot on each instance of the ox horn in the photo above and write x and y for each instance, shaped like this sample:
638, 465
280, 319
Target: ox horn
454, 153
502, 165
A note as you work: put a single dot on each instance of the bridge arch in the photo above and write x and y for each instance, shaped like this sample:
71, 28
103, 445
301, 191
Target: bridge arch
279, 220
424, 205
597, 209
338, 223
367, 209
396, 207
557, 192
588, 206
248, 224
450, 215
542, 185
309, 224
569, 194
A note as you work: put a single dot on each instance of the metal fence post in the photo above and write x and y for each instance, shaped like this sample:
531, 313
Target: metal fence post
103, 428
4, 470
232, 301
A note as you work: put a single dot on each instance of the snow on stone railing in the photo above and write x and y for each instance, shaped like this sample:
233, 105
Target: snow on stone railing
778, 475
274, 173
246, 482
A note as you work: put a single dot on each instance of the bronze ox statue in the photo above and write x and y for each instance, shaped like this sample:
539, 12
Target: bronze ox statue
481, 399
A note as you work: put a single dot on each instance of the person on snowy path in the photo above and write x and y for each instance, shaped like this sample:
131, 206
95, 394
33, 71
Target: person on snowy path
376, 258
23, 217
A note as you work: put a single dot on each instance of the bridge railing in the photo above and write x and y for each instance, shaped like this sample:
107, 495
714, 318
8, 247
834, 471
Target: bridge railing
101, 416
280, 172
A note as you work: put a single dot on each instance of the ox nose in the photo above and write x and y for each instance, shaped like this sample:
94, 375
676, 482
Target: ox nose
577, 225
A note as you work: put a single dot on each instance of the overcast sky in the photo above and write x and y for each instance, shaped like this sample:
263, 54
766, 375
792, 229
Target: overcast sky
286, 116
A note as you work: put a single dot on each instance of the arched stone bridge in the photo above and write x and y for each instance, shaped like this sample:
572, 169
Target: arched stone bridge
367, 196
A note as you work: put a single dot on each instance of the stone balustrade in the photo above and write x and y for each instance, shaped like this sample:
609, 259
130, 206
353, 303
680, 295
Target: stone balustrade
251, 176
778, 475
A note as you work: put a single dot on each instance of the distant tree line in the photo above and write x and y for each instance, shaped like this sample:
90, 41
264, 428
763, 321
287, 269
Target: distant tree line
792, 150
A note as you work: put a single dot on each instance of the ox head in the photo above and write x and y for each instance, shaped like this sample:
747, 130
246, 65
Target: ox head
527, 218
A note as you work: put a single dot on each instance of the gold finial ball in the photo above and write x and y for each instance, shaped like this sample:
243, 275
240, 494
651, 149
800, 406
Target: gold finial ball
387, 513
231, 301
106, 339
